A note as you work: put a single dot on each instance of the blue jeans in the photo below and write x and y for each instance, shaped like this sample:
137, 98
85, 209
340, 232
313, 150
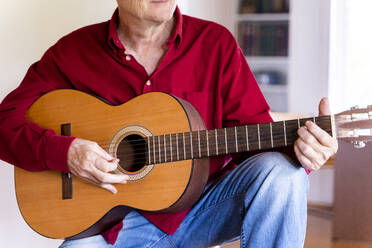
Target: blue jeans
262, 202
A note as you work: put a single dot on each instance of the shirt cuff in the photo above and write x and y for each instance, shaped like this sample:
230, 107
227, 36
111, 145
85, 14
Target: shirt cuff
56, 152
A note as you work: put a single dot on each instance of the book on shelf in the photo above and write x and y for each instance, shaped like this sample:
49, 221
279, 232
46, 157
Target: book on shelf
263, 38
263, 6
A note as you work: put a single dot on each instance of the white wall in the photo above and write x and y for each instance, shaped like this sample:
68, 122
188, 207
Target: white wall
220, 11
27, 29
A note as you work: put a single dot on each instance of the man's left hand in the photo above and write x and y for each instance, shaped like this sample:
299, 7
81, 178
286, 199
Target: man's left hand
315, 146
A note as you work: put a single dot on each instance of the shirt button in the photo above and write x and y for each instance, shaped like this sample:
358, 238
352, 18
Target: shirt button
148, 83
128, 58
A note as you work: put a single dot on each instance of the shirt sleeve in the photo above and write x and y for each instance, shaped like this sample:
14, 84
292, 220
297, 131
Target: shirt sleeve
26, 144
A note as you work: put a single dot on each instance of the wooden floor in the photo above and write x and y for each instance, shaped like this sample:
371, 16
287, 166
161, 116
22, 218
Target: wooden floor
319, 234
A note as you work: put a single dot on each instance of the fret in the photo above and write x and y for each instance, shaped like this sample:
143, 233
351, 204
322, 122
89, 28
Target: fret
236, 140
298, 121
241, 138
153, 142
165, 150
192, 149
285, 134
227, 151
199, 143
204, 141
149, 149
212, 142
278, 134
303, 121
258, 135
271, 135
159, 149
215, 135
230, 144
291, 131
178, 154
171, 146
253, 138
221, 141
325, 123
184, 146
246, 135
206, 133
265, 137
314, 120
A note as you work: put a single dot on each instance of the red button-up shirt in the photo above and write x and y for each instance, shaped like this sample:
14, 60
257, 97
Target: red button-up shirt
203, 65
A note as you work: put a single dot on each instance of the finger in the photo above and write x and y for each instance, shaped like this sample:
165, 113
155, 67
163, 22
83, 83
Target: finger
109, 187
305, 162
104, 177
322, 136
306, 136
100, 151
324, 108
88, 169
104, 165
105, 186
309, 139
309, 152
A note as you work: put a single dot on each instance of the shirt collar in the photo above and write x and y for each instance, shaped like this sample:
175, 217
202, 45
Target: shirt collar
113, 38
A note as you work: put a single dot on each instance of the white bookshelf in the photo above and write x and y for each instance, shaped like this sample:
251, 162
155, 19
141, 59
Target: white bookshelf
259, 17
276, 95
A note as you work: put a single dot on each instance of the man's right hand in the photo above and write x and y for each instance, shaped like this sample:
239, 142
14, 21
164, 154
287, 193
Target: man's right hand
87, 160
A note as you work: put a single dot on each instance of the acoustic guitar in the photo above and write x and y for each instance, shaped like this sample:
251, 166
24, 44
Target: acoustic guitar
162, 145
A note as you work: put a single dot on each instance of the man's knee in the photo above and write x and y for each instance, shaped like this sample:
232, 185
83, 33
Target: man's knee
282, 174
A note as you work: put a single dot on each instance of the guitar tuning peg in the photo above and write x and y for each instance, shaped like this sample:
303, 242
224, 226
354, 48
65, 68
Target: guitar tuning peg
359, 144
354, 107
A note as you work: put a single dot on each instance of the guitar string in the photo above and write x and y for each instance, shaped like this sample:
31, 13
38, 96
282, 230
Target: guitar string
241, 139
319, 121
144, 142
188, 151
188, 133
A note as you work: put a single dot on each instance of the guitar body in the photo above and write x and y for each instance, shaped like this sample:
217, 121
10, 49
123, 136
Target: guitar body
167, 187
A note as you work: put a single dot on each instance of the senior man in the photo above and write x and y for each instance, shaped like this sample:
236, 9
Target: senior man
148, 45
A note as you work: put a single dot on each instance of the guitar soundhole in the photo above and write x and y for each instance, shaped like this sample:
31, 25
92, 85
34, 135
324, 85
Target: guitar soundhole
131, 152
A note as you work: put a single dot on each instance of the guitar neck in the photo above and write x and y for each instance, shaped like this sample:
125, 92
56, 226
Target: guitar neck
222, 141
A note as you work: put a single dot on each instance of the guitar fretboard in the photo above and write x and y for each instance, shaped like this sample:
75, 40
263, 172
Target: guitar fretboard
208, 143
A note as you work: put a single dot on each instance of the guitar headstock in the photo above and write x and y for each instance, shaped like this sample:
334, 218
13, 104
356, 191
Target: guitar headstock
355, 126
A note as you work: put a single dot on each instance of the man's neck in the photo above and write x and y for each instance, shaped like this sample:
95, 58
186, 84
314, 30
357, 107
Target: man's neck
137, 34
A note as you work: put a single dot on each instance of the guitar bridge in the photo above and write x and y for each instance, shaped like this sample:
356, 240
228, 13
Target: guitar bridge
66, 177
